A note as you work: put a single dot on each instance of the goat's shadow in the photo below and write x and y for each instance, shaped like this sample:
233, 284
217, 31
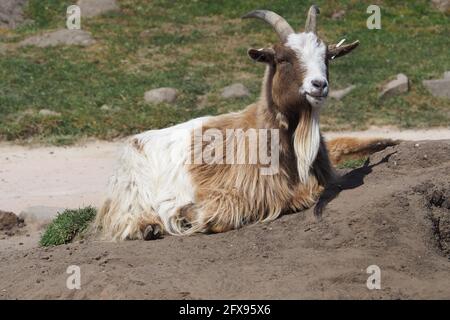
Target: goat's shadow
350, 180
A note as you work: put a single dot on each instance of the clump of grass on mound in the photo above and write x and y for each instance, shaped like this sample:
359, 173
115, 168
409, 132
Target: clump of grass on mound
352, 163
66, 226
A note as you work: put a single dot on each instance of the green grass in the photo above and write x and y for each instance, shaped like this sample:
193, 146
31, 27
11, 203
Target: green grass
199, 47
352, 163
66, 226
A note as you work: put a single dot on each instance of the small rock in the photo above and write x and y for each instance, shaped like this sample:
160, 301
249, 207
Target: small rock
236, 90
160, 95
338, 15
92, 8
8, 220
425, 157
39, 216
49, 113
395, 87
339, 94
439, 87
441, 5
105, 107
416, 145
60, 37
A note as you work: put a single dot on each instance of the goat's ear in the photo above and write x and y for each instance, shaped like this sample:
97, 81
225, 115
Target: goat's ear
266, 55
335, 52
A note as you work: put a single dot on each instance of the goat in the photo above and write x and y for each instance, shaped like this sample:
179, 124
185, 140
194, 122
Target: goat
157, 189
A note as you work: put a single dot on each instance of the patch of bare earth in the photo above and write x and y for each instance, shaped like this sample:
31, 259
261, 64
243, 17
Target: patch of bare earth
392, 213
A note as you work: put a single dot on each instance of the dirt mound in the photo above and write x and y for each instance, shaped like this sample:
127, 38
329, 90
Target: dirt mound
10, 223
392, 212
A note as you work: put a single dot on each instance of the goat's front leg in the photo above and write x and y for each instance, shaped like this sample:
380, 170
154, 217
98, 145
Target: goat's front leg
151, 227
305, 195
217, 211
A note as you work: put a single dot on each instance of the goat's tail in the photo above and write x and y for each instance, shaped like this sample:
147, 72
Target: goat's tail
348, 148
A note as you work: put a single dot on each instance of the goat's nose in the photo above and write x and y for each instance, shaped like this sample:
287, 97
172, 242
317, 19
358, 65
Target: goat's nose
319, 84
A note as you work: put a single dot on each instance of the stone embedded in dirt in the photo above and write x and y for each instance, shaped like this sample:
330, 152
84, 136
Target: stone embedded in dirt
438, 202
92, 8
60, 37
236, 90
9, 220
49, 113
441, 5
160, 95
339, 94
439, 87
395, 87
338, 15
39, 216
11, 13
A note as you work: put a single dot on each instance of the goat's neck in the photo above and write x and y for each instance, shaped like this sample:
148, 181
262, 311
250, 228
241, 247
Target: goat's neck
299, 133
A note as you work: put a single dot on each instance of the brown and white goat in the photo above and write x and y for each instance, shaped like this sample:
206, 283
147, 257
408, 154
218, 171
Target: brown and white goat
158, 189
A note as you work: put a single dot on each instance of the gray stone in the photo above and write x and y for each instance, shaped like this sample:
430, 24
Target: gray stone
92, 8
339, 94
39, 216
8, 220
441, 5
60, 37
439, 87
49, 113
236, 90
160, 95
395, 87
11, 13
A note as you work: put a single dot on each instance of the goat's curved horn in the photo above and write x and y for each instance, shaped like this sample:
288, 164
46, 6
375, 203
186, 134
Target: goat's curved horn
282, 28
311, 20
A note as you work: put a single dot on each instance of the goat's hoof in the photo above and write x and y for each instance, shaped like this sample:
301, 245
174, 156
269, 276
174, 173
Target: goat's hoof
152, 232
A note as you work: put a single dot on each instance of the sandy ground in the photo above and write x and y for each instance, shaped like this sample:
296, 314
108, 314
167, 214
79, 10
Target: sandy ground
54, 176
393, 213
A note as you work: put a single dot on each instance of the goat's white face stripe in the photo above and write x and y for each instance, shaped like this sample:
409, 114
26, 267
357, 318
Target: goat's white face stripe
311, 54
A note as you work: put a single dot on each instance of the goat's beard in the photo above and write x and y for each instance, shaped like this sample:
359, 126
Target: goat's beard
307, 142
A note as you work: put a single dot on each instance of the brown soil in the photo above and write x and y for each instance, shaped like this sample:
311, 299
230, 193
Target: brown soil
393, 213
